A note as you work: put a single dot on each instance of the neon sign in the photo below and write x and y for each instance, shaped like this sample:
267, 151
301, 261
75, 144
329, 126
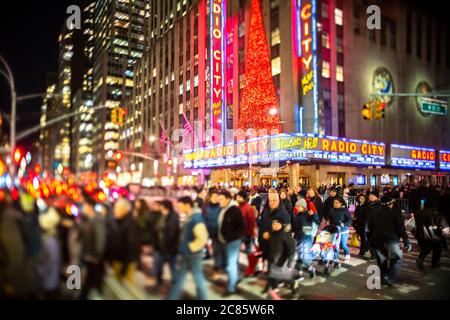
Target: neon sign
444, 160
412, 157
306, 47
217, 35
293, 146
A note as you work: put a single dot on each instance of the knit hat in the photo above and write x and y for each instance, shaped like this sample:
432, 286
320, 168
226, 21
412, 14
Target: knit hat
301, 203
49, 220
243, 194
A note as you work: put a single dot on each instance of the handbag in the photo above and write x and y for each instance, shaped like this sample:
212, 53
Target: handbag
354, 240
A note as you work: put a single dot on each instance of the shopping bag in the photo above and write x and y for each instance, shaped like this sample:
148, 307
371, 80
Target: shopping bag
354, 240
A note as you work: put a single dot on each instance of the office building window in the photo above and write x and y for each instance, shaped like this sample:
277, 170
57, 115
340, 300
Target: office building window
340, 73
325, 40
338, 17
275, 37
325, 69
339, 45
276, 66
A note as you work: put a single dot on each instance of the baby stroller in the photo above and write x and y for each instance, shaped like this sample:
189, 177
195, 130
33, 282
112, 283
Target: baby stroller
325, 247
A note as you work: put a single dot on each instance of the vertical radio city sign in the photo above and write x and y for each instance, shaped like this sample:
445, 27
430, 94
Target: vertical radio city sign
305, 35
217, 81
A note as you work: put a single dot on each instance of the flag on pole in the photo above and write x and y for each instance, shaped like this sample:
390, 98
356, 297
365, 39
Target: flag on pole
164, 140
187, 130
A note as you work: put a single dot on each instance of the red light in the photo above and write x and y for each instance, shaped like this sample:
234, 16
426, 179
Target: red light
15, 194
2, 195
17, 156
37, 168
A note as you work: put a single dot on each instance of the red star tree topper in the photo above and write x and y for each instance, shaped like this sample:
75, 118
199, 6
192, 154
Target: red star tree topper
259, 99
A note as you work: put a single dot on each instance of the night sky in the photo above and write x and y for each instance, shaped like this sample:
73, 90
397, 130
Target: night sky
28, 41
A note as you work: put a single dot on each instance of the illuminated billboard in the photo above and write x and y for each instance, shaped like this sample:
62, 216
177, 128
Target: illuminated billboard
283, 147
403, 156
444, 159
217, 58
305, 45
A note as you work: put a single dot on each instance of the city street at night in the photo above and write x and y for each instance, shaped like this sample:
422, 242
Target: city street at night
232, 152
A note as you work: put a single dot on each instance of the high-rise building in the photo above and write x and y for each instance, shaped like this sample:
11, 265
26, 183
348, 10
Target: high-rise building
82, 125
326, 64
119, 40
48, 137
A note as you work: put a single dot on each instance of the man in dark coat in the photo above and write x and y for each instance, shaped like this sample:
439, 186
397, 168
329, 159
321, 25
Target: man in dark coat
386, 227
230, 233
167, 240
125, 255
429, 225
273, 211
360, 223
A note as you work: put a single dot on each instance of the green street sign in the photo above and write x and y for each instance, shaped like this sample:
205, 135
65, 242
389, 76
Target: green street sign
433, 106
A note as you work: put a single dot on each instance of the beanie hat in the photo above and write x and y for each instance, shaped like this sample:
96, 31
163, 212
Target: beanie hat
302, 203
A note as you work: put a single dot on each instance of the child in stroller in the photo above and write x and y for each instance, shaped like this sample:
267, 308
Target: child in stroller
325, 246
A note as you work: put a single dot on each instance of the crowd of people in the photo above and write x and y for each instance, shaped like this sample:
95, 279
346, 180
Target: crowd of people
275, 228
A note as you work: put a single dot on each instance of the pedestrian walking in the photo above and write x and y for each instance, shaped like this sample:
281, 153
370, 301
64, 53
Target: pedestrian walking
194, 237
314, 197
167, 235
386, 227
230, 233
340, 217
328, 203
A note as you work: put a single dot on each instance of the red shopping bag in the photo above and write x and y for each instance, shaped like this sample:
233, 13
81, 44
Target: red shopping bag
253, 259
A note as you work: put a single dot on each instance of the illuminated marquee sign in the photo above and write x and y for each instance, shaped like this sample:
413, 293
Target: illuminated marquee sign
282, 147
444, 159
306, 46
412, 157
217, 35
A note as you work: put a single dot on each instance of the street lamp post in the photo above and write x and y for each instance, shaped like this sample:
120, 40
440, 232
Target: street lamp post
12, 139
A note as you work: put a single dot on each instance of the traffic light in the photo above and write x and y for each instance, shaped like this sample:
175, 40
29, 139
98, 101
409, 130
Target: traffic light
367, 111
379, 109
118, 156
17, 155
114, 118
122, 114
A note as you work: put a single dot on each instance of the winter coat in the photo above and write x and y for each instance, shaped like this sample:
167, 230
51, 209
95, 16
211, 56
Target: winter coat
340, 216
318, 204
287, 205
126, 247
211, 214
168, 234
50, 264
265, 220
361, 218
282, 248
194, 235
14, 271
256, 202
249, 215
386, 224
301, 220
93, 238
426, 218
327, 206
232, 226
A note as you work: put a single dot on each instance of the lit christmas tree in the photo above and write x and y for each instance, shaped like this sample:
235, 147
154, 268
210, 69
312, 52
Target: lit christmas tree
259, 105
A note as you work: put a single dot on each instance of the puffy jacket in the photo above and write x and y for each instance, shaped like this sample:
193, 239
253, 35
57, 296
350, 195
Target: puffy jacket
339, 216
194, 235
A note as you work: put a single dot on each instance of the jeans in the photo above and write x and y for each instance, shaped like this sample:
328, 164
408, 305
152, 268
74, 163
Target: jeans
389, 259
304, 246
159, 265
426, 246
193, 264
218, 254
344, 234
232, 250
